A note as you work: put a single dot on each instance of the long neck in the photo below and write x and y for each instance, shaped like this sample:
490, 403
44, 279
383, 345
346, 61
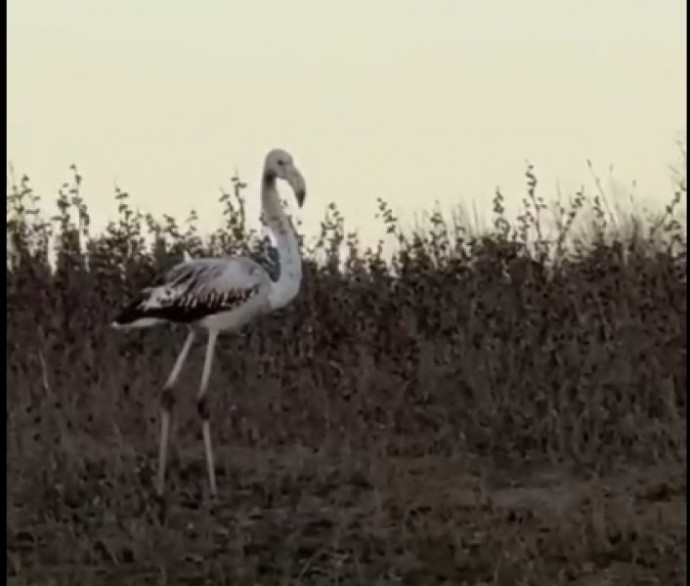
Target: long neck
287, 285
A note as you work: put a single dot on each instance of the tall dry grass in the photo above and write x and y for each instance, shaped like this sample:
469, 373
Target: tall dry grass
505, 348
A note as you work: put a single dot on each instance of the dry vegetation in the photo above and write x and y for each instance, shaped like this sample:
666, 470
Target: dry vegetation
494, 409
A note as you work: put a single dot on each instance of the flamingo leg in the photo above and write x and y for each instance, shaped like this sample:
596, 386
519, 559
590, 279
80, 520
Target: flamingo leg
167, 403
204, 413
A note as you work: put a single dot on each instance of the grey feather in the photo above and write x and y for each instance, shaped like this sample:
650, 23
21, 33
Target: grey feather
198, 288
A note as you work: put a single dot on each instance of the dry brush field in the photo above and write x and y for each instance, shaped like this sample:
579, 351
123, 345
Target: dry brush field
469, 412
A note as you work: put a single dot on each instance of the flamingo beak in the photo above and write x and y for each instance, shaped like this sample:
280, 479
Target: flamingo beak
296, 181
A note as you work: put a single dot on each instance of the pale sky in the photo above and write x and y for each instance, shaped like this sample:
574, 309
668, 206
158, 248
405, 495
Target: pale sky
408, 100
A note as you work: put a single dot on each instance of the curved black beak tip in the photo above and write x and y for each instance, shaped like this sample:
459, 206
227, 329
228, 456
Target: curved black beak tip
301, 194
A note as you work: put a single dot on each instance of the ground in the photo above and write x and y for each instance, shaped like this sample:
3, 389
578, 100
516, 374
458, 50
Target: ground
298, 517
